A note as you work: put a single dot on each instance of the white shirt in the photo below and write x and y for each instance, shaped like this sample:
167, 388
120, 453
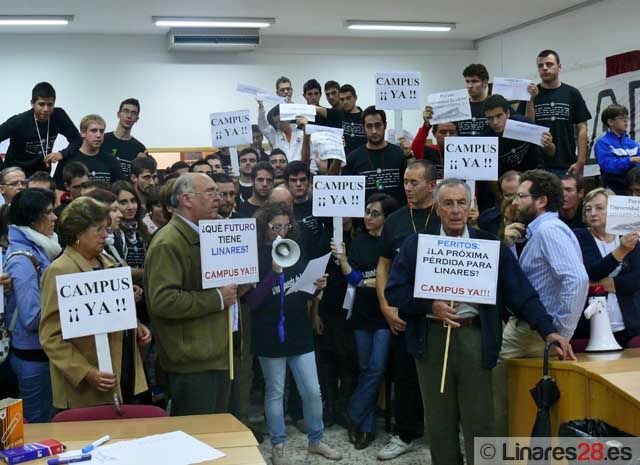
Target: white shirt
278, 140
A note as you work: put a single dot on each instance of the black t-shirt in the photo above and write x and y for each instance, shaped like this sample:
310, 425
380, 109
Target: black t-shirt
435, 157
477, 124
334, 118
244, 192
303, 212
124, 150
354, 135
560, 110
298, 339
383, 169
404, 222
26, 147
102, 167
313, 235
247, 209
364, 252
575, 222
516, 154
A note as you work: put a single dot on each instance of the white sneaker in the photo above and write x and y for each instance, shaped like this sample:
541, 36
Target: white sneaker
327, 452
394, 448
279, 456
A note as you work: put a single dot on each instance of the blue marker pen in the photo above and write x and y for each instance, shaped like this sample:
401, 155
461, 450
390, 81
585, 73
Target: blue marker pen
96, 443
77, 458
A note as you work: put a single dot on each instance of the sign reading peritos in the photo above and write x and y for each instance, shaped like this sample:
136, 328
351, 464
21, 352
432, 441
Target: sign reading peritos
230, 128
457, 269
96, 302
228, 252
339, 196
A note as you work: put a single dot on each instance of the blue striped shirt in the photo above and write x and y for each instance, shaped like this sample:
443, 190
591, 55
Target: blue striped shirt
552, 261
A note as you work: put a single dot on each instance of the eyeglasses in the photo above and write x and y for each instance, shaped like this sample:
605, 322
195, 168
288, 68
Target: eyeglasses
277, 228
372, 213
16, 183
376, 125
621, 118
210, 194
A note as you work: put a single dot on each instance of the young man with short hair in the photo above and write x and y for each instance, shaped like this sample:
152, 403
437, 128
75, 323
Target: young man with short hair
144, 178
312, 92
215, 162
41, 180
298, 180
12, 181
201, 166
332, 94
227, 190
262, 176
32, 134
433, 153
102, 167
247, 159
284, 88
573, 192
381, 162
561, 108
476, 78
256, 142
278, 160
120, 143
281, 134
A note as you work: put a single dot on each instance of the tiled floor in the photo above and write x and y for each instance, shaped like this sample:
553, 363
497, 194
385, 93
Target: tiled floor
336, 437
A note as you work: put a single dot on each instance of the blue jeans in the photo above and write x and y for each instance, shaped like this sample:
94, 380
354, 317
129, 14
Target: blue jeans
34, 384
305, 373
373, 351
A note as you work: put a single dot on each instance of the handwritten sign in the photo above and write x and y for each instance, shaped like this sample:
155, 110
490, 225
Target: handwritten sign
623, 214
228, 252
473, 158
458, 269
450, 106
96, 302
327, 142
230, 128
398, 91
339, 196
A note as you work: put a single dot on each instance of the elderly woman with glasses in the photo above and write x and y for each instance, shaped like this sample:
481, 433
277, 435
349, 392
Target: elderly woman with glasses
75, 377
613, 265
615, 151
282, 334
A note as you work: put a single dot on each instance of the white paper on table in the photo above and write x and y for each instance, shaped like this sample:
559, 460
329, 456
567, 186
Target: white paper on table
511, 88
176, 448
314, 271
349, 298
249, 89
450, 106
527, 132
290, 111
271, 98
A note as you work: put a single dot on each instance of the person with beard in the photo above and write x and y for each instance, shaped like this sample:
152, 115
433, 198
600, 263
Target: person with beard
144, 178
120, 143
33, 134
561, 108
262, 177
278, 160
381, 162
227, 190
247, 159
332, 94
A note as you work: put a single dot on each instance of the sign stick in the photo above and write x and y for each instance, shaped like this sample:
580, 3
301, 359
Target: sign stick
337, 233
230, 314
446, 356
104, 355
397, 118
235, 164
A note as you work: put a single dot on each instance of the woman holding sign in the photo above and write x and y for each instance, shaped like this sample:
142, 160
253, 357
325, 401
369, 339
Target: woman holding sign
282, 334
76, 380
371, 330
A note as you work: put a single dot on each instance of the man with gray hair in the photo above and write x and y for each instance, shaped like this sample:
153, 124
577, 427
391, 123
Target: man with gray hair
190, 323
476, 335
12, 181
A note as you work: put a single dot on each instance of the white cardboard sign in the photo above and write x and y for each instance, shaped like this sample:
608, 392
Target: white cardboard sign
339, 196
328, 145
271, 98
290, 111
96, 302
230, 128
623, 214
474, 158
457, 269
228, 252
450, 106
511, 88
399, 90
527, 132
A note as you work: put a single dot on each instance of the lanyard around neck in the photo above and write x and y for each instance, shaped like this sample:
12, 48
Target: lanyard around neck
45, 152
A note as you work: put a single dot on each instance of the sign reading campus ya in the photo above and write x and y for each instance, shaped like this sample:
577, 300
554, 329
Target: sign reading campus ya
230, 128
398, 91
623, 214
458, 269
96, 302
228, 252
474, 158
338, 196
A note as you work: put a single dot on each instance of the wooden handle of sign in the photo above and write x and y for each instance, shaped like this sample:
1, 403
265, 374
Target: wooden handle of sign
104, 355
235, 163
446, 356
397, 119
337, 233
230, 313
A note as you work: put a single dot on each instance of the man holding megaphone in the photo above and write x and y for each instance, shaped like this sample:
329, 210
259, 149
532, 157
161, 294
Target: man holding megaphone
282, 331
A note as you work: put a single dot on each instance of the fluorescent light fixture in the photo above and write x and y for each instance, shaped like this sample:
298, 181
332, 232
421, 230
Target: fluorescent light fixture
399, 26
35, 20
163, 21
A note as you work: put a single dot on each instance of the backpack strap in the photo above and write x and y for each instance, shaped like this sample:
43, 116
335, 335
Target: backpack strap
36, 265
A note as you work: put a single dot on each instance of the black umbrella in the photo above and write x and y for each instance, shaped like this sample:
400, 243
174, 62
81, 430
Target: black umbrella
545, 394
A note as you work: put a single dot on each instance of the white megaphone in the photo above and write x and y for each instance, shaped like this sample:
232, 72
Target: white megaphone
601, 339
285, 252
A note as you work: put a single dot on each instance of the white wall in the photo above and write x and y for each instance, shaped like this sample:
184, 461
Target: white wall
583, 38
92, 74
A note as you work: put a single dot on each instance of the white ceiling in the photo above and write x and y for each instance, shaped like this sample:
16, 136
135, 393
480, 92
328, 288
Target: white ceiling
474, 18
